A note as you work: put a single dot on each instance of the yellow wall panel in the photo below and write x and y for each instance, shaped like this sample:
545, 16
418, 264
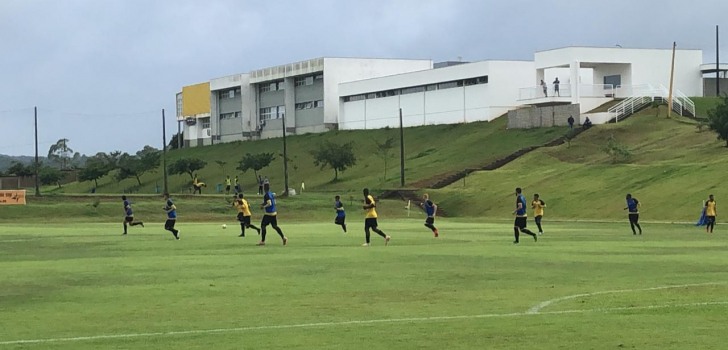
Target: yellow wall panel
196, 99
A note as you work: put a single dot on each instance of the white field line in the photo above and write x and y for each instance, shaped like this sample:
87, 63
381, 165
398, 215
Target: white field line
346, 323
536, 309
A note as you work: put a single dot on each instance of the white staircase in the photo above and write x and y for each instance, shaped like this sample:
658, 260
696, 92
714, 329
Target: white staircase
643, 95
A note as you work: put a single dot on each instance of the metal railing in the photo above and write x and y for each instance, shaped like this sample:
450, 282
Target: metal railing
540, 91
646, 94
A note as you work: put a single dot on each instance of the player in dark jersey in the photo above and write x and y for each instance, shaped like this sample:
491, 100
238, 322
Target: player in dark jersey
633, 205
271, 215
431, 210
171, 211
521, 217
129, 215
340, 213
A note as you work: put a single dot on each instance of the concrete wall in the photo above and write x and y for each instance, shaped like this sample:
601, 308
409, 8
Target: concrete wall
542, 117
709, 86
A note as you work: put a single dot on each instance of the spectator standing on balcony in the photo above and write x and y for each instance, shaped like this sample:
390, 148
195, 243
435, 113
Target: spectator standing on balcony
545, 88
556, 87
571, 121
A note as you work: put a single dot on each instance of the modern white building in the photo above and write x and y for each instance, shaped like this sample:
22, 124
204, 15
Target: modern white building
462, 93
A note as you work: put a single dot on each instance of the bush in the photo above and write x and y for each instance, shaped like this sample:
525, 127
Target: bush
617, 151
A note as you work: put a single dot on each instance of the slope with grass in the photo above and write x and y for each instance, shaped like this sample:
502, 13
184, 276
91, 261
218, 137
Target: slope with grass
430, 150
672, 169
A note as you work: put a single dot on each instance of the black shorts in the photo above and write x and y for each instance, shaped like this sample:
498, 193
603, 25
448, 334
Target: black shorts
129, 219
269, 220
430, 221
370, 223
521, 222
340, 220
244, 219
237, 188
635, 218
169, 224
227, 188
710, 220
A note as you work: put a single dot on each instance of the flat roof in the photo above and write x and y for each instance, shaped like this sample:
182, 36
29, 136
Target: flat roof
614, 48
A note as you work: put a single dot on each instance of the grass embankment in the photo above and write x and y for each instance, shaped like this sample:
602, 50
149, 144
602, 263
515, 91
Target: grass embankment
672, 169
430, 150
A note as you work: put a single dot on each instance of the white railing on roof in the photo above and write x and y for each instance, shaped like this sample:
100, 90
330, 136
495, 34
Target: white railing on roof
544, 91
596, 90
646, 94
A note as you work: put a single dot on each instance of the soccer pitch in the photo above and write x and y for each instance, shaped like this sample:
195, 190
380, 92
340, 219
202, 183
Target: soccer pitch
581, 286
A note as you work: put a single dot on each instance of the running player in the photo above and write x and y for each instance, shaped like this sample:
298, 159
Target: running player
129, 219
171, 211
633, 205
244, 214
370, 223
538, 206
431, 210
340, 213
521, 217
710, 211
271, 215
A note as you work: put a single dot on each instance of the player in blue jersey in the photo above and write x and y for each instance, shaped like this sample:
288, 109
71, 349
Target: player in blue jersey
431, 210
129, 215
271, 215
340, 213
171, 211
521, 217
633, 205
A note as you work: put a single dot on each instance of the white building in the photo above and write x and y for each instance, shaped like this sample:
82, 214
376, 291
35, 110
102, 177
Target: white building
479, 91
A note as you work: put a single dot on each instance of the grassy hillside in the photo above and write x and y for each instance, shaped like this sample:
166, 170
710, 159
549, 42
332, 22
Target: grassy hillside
430, 150
673, 168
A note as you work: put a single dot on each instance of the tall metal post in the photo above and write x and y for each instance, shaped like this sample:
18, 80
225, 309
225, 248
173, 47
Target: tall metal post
672, 76
401, 149
164, 151
285, 156
717, 62
179, 134
37, 163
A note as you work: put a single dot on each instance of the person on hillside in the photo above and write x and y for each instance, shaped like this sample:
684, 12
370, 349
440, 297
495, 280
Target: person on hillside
519, 226
370, 223
244, 214
260, 184
228, 184
545, 88
431, 210
271, 215
129, 215
710, 213
587, 123
171, 211
237, 185
538, 206
571, 121
340, 213
633, 205
265, 182
197, 185
556, 87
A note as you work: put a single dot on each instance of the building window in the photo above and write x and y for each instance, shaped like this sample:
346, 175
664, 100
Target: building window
227, 116
179, 106
449, 85
281, 112
318, 104
476, 81
355, 98
278, 86
238, 114
230, 93
371, 96
265, 113
318, 77
431, 87
265, 88
205, 123
304, 81
304, 105
412, 90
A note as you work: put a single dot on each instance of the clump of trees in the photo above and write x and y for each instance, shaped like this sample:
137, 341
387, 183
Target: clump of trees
335, 156
187, 166
718, 119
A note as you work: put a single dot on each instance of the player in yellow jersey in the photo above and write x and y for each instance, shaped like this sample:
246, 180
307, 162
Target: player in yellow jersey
244, 214
370, 223
538, 206
228, 183
710, 213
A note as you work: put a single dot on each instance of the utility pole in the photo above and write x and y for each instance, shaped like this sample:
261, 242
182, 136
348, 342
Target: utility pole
285, 155
401, 149
717, 62
672, 76
179, 135
164, 152
37, 164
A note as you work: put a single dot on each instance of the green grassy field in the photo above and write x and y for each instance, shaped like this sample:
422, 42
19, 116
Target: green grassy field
83, 286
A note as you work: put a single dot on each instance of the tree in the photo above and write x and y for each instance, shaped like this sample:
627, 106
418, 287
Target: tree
60, 153
50, 175
616, 150
335, 156
20, 169
256, 162
138, 165
187, 166
384, 151
96, 168
718, 119
147, 150
656, 106
174, 142
222, 166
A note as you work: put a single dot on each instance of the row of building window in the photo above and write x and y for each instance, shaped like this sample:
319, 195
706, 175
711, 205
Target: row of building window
272, 112
230, 115
310, 105
305, 81
230, 93
275, 86
417, 89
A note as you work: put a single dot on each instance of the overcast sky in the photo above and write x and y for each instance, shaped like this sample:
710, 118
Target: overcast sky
101, 71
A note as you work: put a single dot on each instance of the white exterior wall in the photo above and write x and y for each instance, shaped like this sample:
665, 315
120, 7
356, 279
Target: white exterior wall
343, 70
482, 102
647, 66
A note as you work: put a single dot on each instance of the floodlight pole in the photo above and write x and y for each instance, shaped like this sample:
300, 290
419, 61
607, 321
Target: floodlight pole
717, 62
285, 156
401, 149
37, 164
164, 152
